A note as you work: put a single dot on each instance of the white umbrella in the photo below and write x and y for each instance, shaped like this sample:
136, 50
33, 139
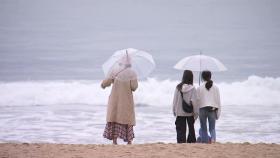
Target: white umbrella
129, 64
200, 63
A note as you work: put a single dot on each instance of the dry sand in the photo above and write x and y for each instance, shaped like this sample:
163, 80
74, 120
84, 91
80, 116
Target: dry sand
156, 150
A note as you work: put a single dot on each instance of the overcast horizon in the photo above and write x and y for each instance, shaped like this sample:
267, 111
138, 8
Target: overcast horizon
69, 40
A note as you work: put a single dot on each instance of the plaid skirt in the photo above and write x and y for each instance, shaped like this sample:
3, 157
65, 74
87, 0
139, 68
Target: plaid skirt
114, 130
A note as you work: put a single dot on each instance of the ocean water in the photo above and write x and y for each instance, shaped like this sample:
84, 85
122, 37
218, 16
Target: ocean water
75, 111
51, 53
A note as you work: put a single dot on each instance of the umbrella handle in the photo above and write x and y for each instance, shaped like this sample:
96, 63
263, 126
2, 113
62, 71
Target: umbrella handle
199, 67
199, 77
120, 72
126, 65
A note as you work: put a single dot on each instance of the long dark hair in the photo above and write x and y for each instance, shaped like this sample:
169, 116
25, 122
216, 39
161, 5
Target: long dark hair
206, 76
186, 79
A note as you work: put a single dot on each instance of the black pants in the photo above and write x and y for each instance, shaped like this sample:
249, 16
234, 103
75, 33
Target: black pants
181, 129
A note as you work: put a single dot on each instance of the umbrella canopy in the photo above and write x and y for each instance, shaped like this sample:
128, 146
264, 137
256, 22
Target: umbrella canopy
200, 63
129, 64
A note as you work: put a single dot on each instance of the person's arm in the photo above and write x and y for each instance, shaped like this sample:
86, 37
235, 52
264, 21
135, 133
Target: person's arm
198, 97
107, 82
174, 102
133, 85
194, 100
218, 99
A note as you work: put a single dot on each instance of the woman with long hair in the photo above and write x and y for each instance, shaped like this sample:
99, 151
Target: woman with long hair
210, 107
187, 92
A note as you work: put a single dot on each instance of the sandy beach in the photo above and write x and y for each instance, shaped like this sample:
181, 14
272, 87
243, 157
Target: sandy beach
57, 57
155, 150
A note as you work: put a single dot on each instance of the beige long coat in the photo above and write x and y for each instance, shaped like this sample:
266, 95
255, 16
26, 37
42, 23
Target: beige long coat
121, 105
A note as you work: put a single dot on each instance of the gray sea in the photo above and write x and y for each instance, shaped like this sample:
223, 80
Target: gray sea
51, 53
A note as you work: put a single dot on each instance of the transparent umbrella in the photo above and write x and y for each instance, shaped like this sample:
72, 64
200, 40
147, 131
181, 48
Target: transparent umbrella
200, 63
129, 64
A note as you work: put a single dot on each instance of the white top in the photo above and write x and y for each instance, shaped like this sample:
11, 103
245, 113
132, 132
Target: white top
189, 94
209, 97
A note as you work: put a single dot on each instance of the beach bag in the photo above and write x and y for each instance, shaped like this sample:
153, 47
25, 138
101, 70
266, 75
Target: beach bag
188, 108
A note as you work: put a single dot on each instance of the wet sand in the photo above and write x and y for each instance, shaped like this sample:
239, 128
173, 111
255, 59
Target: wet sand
155, 150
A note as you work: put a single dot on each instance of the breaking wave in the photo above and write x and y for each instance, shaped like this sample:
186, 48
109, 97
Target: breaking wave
253, 91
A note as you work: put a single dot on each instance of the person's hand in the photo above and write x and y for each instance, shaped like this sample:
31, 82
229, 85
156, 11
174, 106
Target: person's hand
102, 86
195, 115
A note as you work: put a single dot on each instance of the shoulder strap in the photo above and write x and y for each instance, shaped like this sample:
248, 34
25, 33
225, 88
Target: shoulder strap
183, 97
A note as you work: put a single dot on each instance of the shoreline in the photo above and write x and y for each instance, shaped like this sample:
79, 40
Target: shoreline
149, 150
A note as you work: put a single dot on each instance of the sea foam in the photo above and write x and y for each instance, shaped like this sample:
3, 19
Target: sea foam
253, 91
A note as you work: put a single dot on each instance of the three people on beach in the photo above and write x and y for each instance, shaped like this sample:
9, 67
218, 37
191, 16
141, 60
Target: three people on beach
205, 101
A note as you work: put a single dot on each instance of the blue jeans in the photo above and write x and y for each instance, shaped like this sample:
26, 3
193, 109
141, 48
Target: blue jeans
205, 114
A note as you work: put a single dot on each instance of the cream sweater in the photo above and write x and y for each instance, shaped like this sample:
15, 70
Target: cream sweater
209, 97
121, 104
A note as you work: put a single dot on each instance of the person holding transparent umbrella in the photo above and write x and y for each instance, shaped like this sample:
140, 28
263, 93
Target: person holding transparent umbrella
185, 92
122, 71
210, 107
208, 93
